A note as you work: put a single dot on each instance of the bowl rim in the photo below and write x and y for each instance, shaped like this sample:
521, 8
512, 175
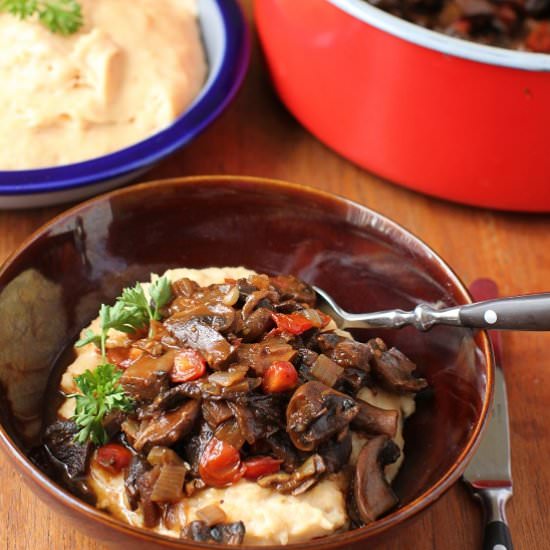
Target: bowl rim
433, 40
428, 497
211, 101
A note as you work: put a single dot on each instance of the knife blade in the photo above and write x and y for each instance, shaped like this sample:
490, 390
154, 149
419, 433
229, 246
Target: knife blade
489, 473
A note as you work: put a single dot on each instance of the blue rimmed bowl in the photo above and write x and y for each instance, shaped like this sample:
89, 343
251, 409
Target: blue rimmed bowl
227, 43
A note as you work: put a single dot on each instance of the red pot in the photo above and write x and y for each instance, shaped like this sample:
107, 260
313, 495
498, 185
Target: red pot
454, 119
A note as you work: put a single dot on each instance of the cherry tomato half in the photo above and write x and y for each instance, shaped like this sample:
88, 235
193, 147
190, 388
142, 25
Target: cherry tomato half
279, 376
260, 466
220, 464
114, 457
293, 322
189, 364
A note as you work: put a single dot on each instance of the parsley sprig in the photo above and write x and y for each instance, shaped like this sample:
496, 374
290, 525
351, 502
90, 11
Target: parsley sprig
134, 298
131, 312
119, 317
101, 395
100, 390
60, 16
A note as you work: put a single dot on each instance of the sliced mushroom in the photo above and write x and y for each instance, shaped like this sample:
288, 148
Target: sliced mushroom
316, 413
145, 485
167, 428
280, 446
372, 493
197, 335
60, 441
268, 411
248, 427
170, 399
299, 481
327, 341
224, 533
217, 315
204, 389
145, 378
292, 288
346, 352
375, 420
257, 324
230, 432
337, 451
193, 447
352, 380
216, 412
137, 468
394, 369
260, 356
184, 287
255, 298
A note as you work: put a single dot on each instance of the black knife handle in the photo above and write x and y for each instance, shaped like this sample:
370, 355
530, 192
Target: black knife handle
530, 312
497, 536
497, 533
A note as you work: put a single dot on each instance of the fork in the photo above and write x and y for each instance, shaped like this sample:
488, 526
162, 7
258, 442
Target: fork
528, 312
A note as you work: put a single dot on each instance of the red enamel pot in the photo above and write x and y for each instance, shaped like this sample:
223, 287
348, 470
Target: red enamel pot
450, 118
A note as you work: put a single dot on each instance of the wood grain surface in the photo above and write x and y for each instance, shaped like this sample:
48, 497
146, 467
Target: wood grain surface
257, 136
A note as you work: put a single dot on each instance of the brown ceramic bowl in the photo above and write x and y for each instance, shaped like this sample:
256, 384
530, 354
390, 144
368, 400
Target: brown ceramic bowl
52, 286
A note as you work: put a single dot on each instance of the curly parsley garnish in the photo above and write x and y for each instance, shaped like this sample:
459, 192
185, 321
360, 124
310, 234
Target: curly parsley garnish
131, 312
101, 394
101, 391
119, 317
60, 16
134, 299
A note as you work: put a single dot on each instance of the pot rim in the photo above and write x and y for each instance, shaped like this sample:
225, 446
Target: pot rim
79, 509
433, 40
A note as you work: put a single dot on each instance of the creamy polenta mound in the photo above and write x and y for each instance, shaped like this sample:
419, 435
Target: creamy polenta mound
254, 419
129, 72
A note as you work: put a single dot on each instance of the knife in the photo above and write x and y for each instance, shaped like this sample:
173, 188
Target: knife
489, 473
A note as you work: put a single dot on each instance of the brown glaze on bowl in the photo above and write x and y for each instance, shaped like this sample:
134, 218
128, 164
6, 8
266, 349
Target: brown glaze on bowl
53, 286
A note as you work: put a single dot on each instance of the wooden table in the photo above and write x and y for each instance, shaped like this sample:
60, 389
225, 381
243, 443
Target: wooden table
256, 136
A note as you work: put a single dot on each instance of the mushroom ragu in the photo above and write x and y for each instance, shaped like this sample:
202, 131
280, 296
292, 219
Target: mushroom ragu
186, 401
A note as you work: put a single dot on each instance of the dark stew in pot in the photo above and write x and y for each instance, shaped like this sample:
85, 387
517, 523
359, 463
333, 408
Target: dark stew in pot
514, 24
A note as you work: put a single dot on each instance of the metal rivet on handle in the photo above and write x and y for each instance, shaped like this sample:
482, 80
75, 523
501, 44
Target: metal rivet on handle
499, 547
490, 317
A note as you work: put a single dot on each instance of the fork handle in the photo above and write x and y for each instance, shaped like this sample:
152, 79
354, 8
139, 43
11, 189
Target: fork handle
530, 312
497, 533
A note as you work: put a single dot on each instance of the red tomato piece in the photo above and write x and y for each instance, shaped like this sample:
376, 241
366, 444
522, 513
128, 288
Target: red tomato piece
539, 38
114, 457
293, 322
259, 466
189, 364
220, 464
279, 376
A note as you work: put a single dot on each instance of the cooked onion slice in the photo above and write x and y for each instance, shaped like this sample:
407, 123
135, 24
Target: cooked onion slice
227, 378
326, 370
160, 456
169, 485
211, 515
232, 296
